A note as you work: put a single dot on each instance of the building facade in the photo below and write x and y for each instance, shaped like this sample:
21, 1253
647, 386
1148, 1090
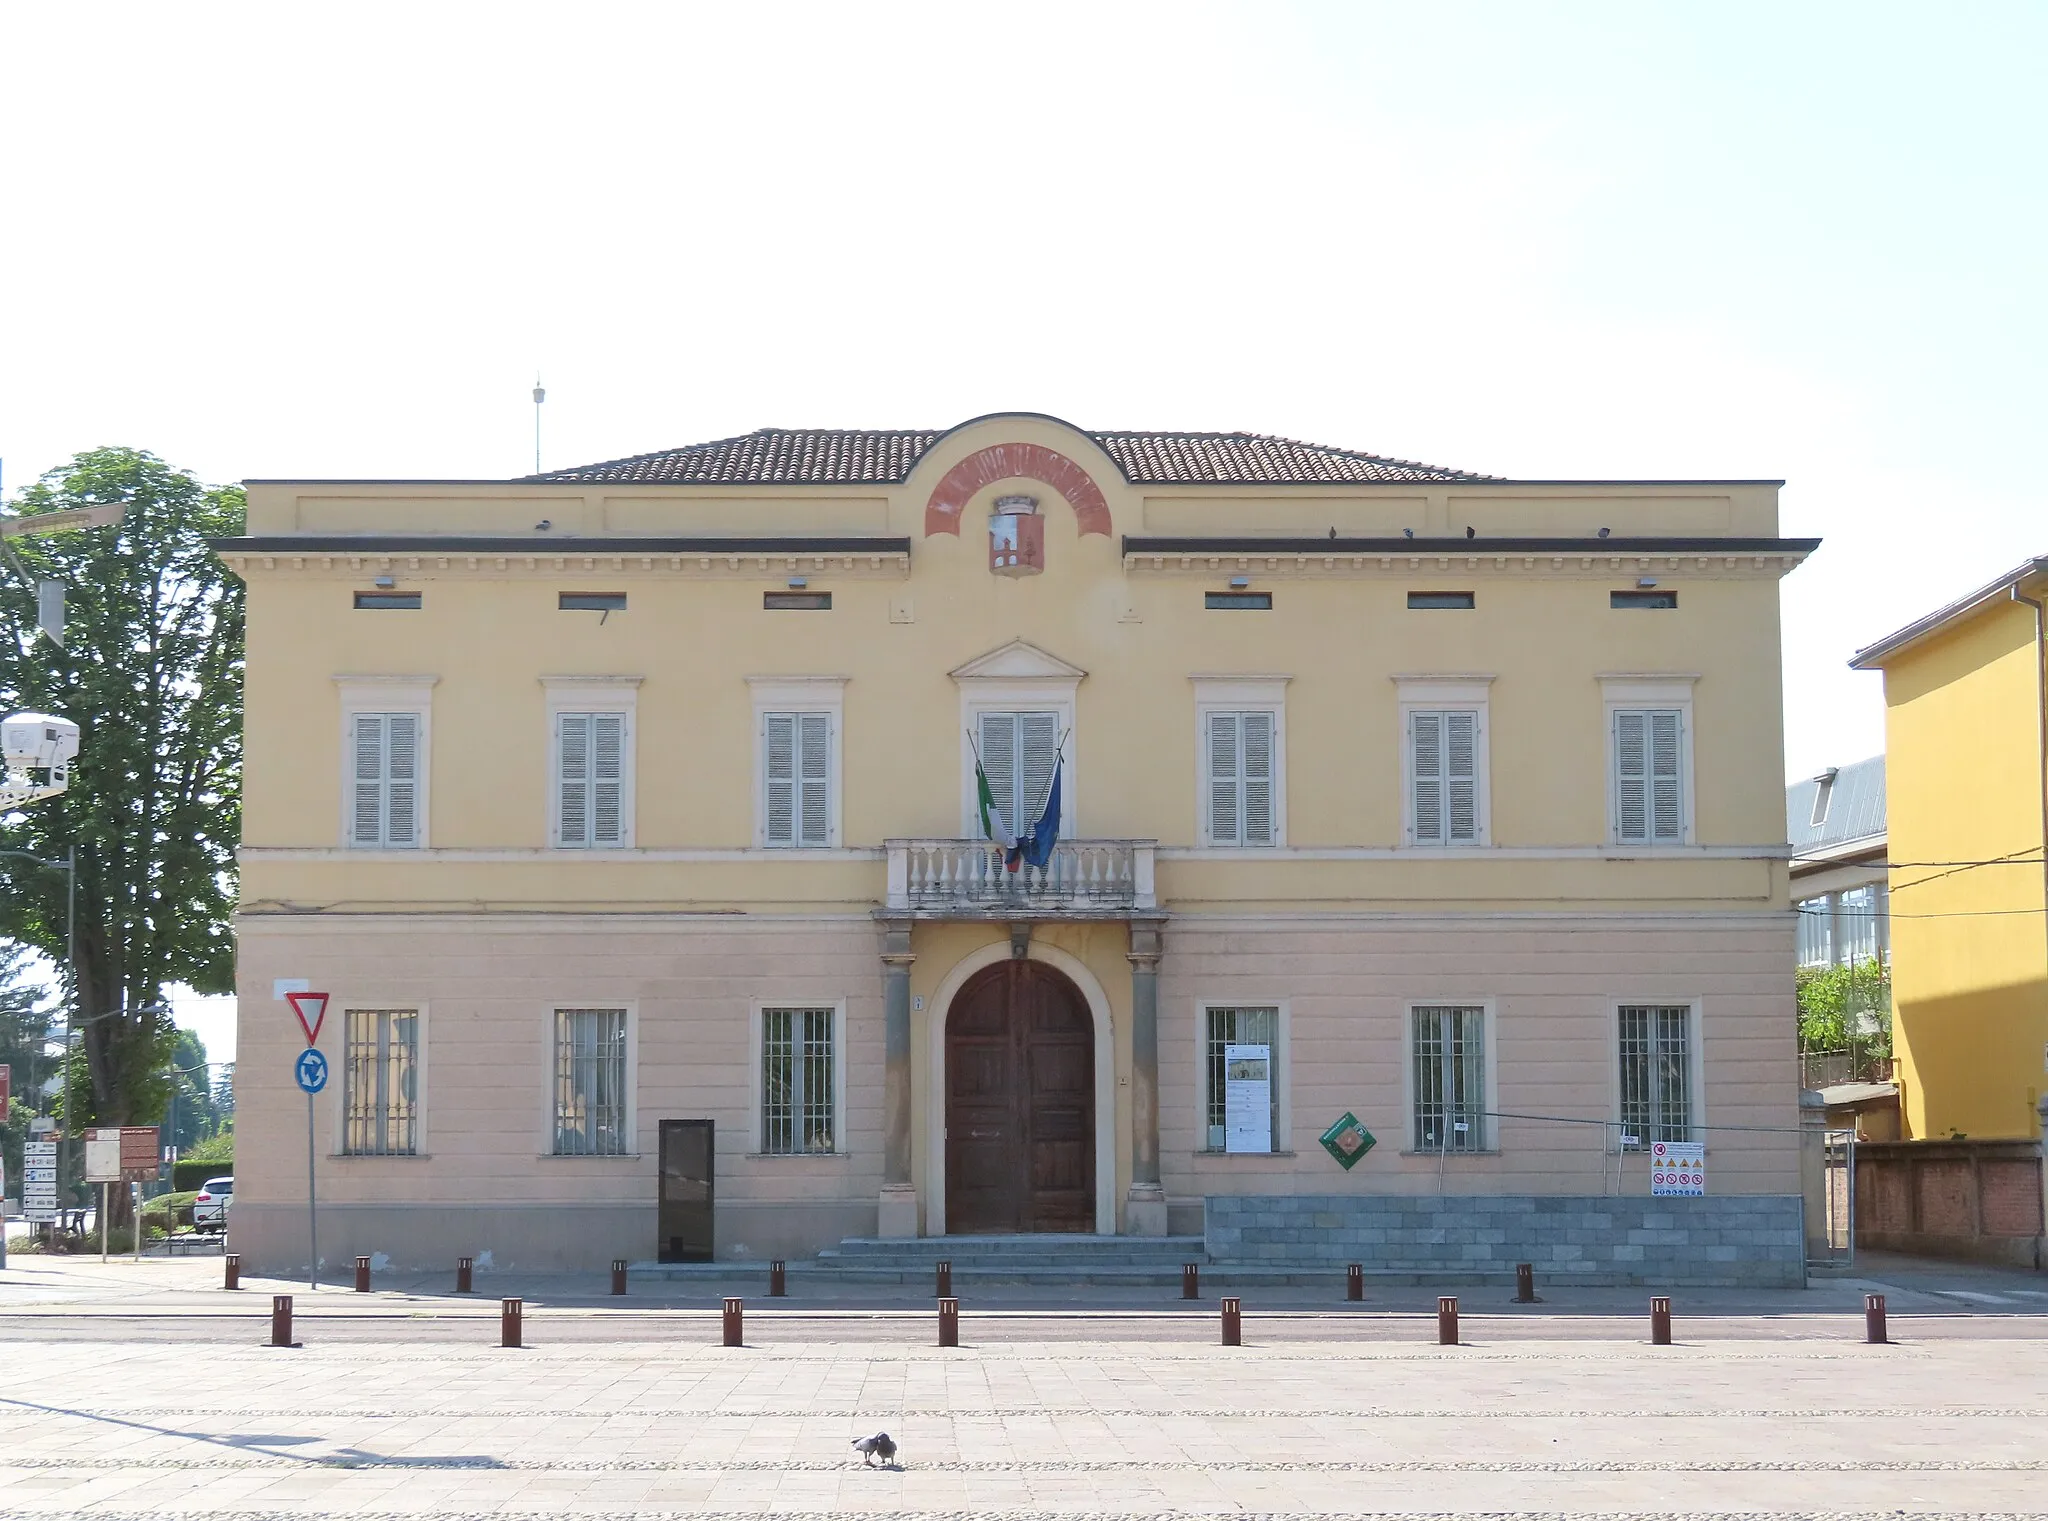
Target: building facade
1966, 739
633, 817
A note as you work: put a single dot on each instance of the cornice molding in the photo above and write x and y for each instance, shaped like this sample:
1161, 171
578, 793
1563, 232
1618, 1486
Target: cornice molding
498, 565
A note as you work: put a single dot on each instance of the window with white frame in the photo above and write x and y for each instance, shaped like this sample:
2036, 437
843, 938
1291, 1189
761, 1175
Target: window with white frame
1656, 1081
799, 1080
380, 1083
590, 1083
385, 778
590, 780
1816, 930
796, 785
1018, 752
1444, 776
1444, 787
1649, 776
1225, 1025
1448, 1052
1240, 778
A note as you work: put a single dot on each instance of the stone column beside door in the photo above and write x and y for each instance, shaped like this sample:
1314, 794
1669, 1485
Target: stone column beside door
1145, 1205
896, 1214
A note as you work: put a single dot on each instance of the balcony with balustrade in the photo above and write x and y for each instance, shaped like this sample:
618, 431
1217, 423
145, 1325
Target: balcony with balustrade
967, 879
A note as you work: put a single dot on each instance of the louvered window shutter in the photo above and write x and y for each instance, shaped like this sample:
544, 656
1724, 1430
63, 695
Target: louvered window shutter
367, 810
781, 778
999, 763
814, 761
1461, 778
607, 778
1038, 741
574, 781
1631, 777
1224, 810
1426, 766
1667, 811
401, 771
1257, 729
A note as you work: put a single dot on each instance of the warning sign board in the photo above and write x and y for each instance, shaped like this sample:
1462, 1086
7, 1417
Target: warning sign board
1678, 1168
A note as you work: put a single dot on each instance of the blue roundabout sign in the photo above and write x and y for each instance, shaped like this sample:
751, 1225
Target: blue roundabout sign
311, 1071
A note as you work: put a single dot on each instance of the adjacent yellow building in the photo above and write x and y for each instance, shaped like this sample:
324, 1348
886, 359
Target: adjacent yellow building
632, 817
1966, 719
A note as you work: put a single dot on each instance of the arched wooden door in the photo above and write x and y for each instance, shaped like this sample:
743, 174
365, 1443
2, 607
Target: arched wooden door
1020, 1104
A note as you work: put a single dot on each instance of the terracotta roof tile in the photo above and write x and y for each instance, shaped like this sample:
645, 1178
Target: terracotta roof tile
833, 457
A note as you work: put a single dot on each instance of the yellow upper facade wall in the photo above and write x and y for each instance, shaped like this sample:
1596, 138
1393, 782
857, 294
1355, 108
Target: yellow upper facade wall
1537, 644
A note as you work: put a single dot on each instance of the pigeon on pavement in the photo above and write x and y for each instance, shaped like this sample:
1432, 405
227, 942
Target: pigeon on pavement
875, 1446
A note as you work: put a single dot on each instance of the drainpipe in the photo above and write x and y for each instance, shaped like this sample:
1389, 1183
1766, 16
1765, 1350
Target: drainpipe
2041, 714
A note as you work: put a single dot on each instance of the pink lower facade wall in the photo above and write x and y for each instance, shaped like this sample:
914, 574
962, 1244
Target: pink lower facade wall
484, 1181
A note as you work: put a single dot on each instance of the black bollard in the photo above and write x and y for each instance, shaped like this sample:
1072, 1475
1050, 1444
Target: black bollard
465, 1275
735, 1310
233, 1261
362, 1275
618, 1275
1233, 1323
778, 1282
1525, 1283
1354, 1281
949, 1321
1660, 1321
281, 1320
943, 1286
1873, 1320
1447, 1320
1190, 1281
511, 1322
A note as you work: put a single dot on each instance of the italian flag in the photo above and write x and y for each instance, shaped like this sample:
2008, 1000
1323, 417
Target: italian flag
992, 825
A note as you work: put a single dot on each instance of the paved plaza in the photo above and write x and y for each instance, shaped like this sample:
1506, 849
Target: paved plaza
144, 1391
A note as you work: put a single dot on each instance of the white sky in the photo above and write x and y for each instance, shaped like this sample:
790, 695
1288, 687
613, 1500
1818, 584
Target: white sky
1558, 240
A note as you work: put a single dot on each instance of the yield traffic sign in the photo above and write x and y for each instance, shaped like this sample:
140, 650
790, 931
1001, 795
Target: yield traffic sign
311, 1009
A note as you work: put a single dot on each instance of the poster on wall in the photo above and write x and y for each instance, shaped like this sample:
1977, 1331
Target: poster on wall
1247, 1098
1678, 1168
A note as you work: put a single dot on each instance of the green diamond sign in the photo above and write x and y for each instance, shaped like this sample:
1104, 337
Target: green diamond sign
1347, 1141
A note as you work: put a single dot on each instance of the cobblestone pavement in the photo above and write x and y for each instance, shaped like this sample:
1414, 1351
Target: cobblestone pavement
152, 1396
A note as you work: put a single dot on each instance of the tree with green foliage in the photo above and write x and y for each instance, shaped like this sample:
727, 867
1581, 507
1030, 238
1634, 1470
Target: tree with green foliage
24, 1035
151, 671
1846, 1008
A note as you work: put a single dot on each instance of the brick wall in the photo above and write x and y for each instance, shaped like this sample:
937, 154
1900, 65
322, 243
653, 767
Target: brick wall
1979, 1200
1747, 1239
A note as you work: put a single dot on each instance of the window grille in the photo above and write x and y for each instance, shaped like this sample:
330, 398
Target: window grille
797, 1081
1237, 1027
590, 1082
1656, 1074
381, 1083
1450, 1079
385, 775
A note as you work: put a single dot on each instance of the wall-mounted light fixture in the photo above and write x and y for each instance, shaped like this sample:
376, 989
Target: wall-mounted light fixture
386, 581
798, 583
1646, 580
1239, 583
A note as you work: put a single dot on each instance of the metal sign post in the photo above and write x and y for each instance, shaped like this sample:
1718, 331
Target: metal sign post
311, 1072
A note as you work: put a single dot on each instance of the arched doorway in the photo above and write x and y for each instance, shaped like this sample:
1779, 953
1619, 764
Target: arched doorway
1020, 1103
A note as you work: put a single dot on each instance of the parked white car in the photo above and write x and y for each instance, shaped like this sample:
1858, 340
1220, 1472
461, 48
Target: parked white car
210, 1204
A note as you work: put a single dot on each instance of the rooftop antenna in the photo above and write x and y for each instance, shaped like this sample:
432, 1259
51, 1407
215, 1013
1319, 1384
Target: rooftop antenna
539, 396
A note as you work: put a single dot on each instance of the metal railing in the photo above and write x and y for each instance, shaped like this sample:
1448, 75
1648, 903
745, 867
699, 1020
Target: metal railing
973, 877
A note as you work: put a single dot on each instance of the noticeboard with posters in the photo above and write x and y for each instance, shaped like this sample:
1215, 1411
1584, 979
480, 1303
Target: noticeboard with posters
123, 1154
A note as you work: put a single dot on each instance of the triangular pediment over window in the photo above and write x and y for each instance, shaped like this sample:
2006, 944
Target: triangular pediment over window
1018, 660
